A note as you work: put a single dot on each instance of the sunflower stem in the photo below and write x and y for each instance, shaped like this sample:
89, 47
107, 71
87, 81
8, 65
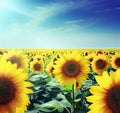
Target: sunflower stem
73, 97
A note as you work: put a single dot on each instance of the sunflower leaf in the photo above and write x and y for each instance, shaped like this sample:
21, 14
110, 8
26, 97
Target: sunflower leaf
51, 106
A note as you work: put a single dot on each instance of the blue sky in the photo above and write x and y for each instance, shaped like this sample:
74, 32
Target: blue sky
59, 23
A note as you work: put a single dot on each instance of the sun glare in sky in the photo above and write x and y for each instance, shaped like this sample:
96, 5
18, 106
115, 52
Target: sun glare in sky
3, 3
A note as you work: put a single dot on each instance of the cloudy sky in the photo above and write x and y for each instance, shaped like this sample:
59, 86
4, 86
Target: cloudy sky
59, 23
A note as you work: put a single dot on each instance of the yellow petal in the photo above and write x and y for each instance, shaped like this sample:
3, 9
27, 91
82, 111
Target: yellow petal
104, 80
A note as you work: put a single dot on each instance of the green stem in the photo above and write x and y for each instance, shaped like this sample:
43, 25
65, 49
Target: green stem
73, 97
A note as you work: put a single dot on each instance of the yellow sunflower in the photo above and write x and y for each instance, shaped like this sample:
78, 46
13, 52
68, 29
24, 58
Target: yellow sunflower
49, 68
36, 66
99, 51
50, 64
13, 88
39, 57
100, 63
71, 68
18, 57
105, 97
90, 56
115, 61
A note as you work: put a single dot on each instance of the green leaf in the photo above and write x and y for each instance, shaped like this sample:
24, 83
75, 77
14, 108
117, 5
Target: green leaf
69, 98
50, 106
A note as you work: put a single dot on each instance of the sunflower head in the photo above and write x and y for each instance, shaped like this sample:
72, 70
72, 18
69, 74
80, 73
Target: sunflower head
17, 57
100, 63
13, 88
71, 67
115, 61
105, 97
112, 98
7, 87
1, 52
49, 68
99, 52
36, 66
15, 60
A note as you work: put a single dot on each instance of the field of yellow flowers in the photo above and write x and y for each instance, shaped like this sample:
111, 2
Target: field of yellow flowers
59, 80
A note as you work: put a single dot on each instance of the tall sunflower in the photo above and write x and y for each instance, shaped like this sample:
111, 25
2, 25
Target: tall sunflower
105, 97
50, 64
13, 89
18, 57
100, 63
115, 61
71, 68
36, 66
49, 68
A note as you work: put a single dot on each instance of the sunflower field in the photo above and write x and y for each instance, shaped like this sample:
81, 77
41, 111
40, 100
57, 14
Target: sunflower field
60, 81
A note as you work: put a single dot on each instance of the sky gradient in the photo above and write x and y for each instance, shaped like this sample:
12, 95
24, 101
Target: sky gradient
59, 23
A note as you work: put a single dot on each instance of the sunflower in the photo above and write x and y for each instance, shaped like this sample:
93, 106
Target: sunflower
49, 68
105, 97
18, 57
90, 56
39, 57
13, 88
115, 61
36, 66
99, 51
71, 68
100, 63
50, 64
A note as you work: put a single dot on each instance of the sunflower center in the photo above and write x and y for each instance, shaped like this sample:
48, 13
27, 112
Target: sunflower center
37, 67
100, 64
7, 91
113, 99
71, 68
117, 62
1, 53
15, 59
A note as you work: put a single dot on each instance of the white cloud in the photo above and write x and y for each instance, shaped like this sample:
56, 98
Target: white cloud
41, 14
37, 17
74, 21
70, 27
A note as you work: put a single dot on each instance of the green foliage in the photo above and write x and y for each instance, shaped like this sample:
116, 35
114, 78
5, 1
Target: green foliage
50, 97
47, 95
